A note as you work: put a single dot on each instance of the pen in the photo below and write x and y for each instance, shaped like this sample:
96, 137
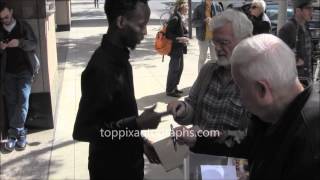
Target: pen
174, 139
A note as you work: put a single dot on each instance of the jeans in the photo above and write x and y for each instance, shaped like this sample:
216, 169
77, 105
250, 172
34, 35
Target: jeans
203, 48
17, 92
174, 73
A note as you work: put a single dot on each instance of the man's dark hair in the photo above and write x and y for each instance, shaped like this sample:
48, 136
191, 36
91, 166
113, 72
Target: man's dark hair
116, 8
4, 5
304, 5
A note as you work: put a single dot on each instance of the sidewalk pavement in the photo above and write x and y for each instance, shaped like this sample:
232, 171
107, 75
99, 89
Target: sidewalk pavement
53, 154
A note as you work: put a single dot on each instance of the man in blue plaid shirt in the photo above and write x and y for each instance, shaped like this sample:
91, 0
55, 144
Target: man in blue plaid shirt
214, 99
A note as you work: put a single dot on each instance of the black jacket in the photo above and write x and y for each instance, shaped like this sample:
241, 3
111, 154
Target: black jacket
176, 28
261, 24
300, 42
290, 149
108, 103
28, 44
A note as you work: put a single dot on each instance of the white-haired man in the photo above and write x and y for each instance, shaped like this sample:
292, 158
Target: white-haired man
214, 100
283, 140
260, 20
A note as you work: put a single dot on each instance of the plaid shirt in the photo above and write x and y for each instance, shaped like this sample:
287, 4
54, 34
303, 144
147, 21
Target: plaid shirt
219, 107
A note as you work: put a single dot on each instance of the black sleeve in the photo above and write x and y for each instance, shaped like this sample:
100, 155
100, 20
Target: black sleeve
172, 29
97, 100
206, 145
288, 34
265, 27
29, 40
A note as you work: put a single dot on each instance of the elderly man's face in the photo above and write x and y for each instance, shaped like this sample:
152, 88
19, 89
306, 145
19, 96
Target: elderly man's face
248, 93
256, 96
224, 41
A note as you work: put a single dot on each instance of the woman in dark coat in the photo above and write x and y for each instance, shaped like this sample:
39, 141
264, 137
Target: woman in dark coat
177, 32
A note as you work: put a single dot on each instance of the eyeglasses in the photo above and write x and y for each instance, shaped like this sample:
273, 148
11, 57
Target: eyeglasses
220, 42
253, 7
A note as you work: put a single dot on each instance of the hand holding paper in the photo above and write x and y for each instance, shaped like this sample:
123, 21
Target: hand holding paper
186, 136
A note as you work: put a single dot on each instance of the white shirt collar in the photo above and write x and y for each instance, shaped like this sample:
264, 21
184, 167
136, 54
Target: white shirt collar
11, 26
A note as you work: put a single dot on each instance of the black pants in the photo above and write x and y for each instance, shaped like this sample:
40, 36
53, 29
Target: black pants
114, 165
175, 71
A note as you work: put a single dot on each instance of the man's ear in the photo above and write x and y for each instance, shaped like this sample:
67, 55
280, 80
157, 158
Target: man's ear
264, 91
121, 22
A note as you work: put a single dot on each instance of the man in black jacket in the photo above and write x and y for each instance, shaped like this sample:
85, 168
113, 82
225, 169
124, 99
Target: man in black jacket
18, 65
107, 116
296, 34
283, 140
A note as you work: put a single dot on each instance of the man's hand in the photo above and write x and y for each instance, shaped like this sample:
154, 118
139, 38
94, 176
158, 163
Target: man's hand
149, 119
177, 109
3, 45
186, 136
150, 152
13, 43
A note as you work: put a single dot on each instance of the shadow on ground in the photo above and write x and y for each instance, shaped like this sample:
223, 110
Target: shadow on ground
147, 101
32, 165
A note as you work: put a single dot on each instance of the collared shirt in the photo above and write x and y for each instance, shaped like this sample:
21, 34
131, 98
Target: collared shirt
221, 108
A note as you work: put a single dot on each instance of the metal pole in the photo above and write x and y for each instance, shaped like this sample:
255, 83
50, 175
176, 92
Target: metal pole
282, 17
189, 19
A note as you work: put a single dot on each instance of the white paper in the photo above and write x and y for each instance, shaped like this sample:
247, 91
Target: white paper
170, 159
218, 172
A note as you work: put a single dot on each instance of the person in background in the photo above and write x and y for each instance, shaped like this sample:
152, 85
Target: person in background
108, 105
260, 20
177, 32
19, 65
214, 99
202, 15
296, 34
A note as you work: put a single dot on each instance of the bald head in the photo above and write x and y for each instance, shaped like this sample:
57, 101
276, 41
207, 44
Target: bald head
266, 57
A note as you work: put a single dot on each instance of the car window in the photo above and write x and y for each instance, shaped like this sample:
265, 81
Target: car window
273, 10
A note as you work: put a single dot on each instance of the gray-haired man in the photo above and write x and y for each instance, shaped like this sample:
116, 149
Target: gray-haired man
214, 99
